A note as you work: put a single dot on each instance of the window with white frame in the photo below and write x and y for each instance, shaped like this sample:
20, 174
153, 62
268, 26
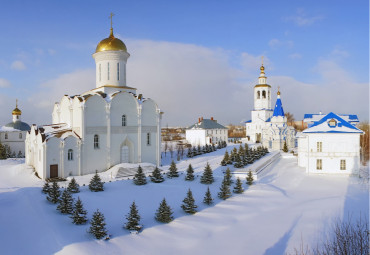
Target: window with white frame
342, 164
319, 146
319, 164
96, 141
148, 139
6, 135
70, 154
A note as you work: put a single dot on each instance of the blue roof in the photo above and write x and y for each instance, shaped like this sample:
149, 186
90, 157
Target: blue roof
308, 116
278, 110
248, 121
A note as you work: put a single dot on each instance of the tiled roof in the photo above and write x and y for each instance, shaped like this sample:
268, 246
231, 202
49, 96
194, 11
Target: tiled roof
207, 124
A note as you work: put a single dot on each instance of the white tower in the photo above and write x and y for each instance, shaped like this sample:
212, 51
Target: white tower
262, 92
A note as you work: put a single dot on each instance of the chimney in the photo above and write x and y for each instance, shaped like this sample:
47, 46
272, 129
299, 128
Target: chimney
211, 118
202, 119
198, 120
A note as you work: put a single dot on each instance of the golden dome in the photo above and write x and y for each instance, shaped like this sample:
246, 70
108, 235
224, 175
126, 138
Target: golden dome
16, 111
262, 68
111, 43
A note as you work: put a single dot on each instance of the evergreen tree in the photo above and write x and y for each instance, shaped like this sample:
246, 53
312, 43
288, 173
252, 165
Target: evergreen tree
208, 200
97, 228
250, 178
133, 219
19, 155
190, 152
207, 177
226, 159
189, 173
206, 149
225, 192
79, 213
199, 150
241, 151
173, 170
65, 203
8, 151
139, 178
285, 148
195, 151
238, 186
96, 184
156, 176
228, 176
73, 186
2, 151
164, 212
46, 188
54, 193
189, 203
238, 162
246, 147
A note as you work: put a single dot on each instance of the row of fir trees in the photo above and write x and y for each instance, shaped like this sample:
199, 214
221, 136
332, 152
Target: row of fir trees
243, 156
199, 150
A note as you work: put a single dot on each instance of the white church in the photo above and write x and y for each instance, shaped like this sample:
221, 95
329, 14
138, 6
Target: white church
268, 126
100, 128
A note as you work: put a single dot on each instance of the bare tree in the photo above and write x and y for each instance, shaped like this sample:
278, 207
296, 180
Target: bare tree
170, 149
290, 118
165, 148
364, 142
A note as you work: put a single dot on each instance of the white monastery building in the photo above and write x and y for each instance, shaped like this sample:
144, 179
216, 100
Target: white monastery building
268, 126
13, 134
330, 145
100, 128
206, 131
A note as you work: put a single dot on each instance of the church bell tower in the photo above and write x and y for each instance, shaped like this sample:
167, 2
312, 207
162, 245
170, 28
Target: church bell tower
262, 92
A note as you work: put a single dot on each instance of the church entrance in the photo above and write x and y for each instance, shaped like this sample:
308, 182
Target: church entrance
124, 154
53, 171
258, 138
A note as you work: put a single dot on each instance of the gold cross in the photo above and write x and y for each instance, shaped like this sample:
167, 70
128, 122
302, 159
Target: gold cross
262, 60
111, 19
16, 103
278, 88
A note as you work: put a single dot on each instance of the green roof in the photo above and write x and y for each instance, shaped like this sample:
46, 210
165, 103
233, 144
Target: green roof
207, 124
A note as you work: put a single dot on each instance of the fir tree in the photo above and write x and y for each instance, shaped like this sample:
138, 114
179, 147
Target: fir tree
225, 192
79, 213
164, 212
285, 148
250, 178
228, 176
207, 177
46, 188
238, 162
96, 184
246, 147
195, 152
190, 152
97, 228
208, 200
189, 173
73, 186
54, 193
2, 151
241, 151
189, 203
173, 170
156, 176
133, 219
238, 186
140, 178
199, 150
66, 203
226, 159
19, 155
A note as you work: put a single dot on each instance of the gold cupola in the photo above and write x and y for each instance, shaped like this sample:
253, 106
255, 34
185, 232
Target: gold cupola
111, 44
16, 111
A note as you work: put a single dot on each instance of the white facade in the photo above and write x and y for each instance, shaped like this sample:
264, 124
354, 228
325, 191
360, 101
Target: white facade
100, 128
206, 131
331, 145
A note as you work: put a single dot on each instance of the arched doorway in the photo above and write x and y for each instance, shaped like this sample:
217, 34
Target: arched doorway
125, 154
127, 151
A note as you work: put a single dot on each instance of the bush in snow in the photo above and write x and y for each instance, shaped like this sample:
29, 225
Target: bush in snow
133, 219
2, 152
73, 186
189, 173
173, 170
46, 188
188, 204
54, 193
250, 178
207, 177
156, 176
79, 214
238, 189
97, 228
65, 203
164, 212
208, 200
96, 184
225, 192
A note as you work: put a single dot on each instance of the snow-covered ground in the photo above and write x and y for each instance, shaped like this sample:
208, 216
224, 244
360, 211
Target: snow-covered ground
284, 207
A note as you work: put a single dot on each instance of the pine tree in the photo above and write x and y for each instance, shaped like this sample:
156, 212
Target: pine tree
19, 155
156, 176
226, 159
54, 193
238, 161
97, 228
250, 178
164, 212
79, 213
96, 184
238, 186
199, 150
241, 151
173, 170
228, 176
208, 200
189, 173
190, 152
189, 203
207, 177
139, 178
73, 186
225, 192
246, 147
66, 203
133, 219
285, 148
46, 188
2, 151
195, 152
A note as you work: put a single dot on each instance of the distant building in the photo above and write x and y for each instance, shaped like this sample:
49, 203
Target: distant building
206, 131
330, 145
13, 134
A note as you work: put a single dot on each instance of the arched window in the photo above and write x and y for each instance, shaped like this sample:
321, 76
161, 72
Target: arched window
70, 154
6, 135
117, 71
124, 123
263, 94
20, 135
99, 72
148, 139
96, 141
108, 70
258, 95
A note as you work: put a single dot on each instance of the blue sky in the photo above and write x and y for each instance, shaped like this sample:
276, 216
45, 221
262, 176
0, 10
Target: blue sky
202, 54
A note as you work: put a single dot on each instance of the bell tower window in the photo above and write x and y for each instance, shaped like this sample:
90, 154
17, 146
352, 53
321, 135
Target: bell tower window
108, 70
117, 71
263, 94
124, 121
258, 95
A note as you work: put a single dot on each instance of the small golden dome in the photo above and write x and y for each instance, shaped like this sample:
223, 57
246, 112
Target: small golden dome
262, 68
111, 43
16, 111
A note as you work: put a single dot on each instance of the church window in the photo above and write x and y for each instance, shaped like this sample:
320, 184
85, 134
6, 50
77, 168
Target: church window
108, 70
319, 164
148, 139
258, 95
99, 72
342, 164
96, 141
263, 94
124, 121
117, 71
20, 135
319, 146
332, 123
6, 136
70, 154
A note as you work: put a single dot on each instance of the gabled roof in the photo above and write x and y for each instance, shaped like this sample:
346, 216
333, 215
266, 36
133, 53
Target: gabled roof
278, 110
341, 126
207, 124
313, 117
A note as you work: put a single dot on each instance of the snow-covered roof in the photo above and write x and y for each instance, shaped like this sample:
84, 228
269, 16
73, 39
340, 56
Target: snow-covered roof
278, 110
7, 129
207, 124
332, 123
60, 130
312, 117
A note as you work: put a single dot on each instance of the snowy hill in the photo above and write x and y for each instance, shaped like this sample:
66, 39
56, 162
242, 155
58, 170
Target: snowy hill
272, 216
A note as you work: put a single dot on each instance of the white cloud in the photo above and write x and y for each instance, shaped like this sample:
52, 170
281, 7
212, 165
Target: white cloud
4, 83
276, 43
302, 19
18, 65
295, 56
